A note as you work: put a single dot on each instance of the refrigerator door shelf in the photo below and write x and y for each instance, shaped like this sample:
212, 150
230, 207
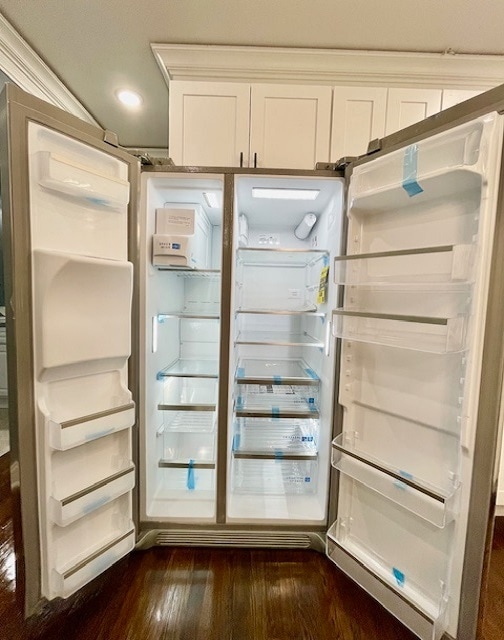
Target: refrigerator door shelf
77, 431
276, 437
275, 371
420, 333
448, 265
397, 485
72, 507
279, 338
189, 368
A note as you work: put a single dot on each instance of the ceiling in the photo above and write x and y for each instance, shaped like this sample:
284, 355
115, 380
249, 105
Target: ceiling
97, 46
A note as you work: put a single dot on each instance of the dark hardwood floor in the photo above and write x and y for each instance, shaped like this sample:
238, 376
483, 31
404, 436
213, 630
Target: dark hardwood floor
220, 594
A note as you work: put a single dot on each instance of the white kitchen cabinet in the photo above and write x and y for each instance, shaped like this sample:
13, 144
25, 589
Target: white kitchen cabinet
290, 126
358, 116
234, 124
408, 106
452, 97
209, 123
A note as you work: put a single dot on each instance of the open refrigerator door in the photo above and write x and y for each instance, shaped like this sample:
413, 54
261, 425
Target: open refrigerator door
412, 326
69, 288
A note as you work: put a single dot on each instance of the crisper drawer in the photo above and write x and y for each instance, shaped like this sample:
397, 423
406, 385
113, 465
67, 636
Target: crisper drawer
274, 476
277, 401
278, 436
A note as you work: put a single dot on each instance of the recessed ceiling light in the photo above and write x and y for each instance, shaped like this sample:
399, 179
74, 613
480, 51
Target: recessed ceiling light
285, 194
129, 98
212, 199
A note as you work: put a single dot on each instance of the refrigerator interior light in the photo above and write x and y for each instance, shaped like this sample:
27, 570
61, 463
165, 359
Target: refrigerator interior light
211, 199
285, 194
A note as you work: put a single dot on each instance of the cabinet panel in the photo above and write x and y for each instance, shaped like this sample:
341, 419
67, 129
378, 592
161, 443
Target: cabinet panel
452, 97
408, 106
209, 123
358, 116
289, 125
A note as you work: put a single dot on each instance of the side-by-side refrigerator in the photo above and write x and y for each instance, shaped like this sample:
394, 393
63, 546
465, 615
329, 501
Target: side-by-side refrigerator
237, 357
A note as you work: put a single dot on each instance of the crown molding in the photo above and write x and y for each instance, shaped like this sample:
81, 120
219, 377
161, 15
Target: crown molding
328, 66
25, 68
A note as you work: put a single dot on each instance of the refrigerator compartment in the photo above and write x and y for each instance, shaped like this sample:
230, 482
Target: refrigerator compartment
289, 279
196, 394
396, 485
275, 436
184, 450
80, 324
65, 176
275, 371
433, 266
190, 368
190, 421
388, 541
279, 338
195, 481
75, 547
449, 151
433, 335
274, 475
276, 401
85, 477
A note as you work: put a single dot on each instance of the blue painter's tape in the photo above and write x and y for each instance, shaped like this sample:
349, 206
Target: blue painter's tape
278, 453
236, 442
239, 402
399, 576
240, 372
191, 480
405, 474
325, 261
312, 374
277, 379
307, 479
410, 165
160, 376
400, 485
275, 412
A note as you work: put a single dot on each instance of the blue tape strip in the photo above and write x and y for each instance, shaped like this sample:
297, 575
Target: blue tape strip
278, 453
400, 485
159, 376
277, 379
239, 402
312, 374
399, 576
325, 261
410, 165
275, 412
236, 442
240, 372
405, 474
191, 480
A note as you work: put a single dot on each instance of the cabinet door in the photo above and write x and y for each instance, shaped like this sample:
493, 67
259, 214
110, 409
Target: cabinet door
452, 97
408, 106
289, 126
209, 123
358, 117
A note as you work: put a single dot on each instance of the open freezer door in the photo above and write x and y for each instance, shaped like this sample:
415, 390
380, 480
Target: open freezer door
421, 366
66, 198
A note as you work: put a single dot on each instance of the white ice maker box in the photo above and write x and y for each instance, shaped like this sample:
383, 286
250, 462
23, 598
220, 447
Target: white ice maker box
181, 237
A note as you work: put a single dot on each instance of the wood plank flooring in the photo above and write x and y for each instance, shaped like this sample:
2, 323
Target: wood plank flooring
221, 594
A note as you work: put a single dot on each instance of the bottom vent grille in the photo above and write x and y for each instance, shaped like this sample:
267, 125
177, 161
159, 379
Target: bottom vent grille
235, 539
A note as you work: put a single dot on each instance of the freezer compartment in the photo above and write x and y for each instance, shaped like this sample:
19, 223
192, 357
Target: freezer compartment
89, 476
189, 421
275, 475
388, 542
190, 394
434, 266
185, 450
275, 371
289, 279
88, 546
277, 401
283, 436
429, 334
396, 484
456, 149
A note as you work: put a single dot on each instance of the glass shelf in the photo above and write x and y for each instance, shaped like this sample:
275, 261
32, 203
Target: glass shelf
399, 486
306, 310
433, 266
277, 401
186, 450
190, 421
261, 371
278, 338
185, 272
433, 335
183, 368
276, 437
274, 476
280, 257
204, 315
